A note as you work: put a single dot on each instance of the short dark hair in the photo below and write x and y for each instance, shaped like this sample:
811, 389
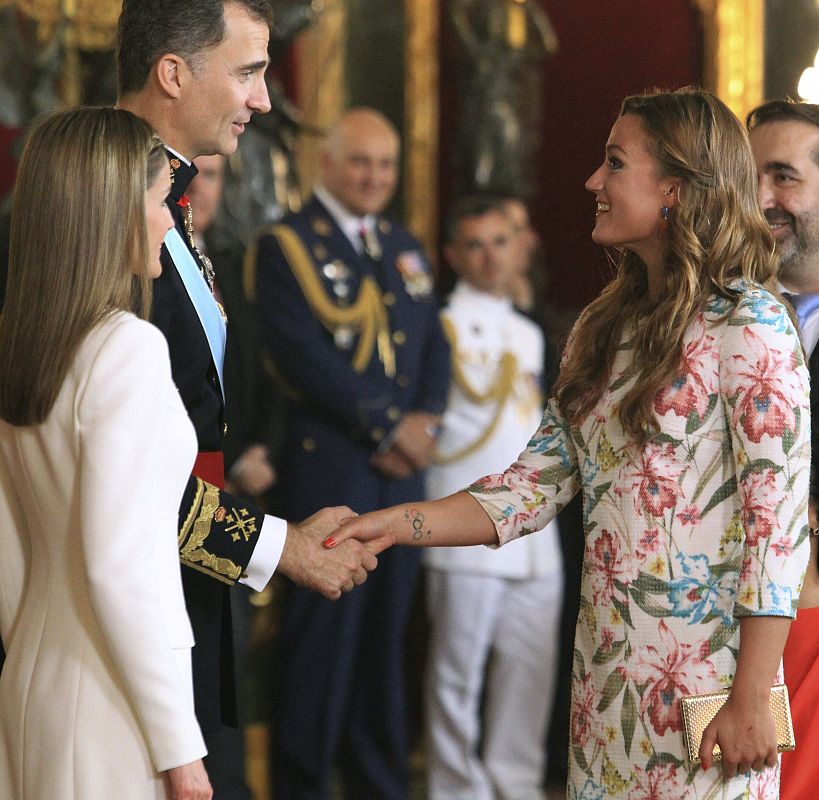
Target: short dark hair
471, 206
148, 29
783, 110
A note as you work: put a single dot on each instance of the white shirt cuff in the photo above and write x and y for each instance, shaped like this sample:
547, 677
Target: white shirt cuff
266, 554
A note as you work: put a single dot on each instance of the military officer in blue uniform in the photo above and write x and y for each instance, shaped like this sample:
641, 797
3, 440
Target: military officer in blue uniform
348, 314
198, 78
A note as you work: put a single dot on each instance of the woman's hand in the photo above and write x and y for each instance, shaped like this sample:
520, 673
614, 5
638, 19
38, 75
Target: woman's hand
374, 530
189, 782
451, 521
745, 730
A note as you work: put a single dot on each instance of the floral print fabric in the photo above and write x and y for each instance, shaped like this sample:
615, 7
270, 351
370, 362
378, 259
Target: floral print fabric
704, 524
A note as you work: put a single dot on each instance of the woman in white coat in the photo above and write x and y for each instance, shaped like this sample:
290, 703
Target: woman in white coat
95, 449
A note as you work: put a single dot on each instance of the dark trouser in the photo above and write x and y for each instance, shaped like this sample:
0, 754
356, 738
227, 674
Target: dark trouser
225, 763
340, 688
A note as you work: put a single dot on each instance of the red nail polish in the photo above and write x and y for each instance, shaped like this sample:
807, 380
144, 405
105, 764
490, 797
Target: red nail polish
329, 542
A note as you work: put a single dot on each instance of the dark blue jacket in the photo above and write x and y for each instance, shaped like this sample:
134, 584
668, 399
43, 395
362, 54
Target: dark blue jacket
341, 411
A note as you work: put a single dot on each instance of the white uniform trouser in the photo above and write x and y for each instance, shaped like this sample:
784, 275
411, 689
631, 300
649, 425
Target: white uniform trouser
517, 622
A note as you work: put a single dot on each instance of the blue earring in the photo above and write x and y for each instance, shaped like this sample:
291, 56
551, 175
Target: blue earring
665, 213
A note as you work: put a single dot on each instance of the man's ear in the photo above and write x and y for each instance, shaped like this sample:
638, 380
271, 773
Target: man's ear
170, 71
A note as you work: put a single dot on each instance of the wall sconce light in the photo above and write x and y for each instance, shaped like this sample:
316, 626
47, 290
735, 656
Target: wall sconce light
808, 88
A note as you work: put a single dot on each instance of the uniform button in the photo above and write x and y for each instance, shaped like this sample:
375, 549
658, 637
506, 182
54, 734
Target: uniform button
393, 414
388, 298
309, 445
224, 429
378, 434
403, 381
399, 337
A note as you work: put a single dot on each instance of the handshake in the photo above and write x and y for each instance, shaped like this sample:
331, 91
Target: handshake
307, 561
311, 561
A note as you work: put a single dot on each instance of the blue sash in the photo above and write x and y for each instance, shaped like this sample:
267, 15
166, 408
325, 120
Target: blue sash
203, 301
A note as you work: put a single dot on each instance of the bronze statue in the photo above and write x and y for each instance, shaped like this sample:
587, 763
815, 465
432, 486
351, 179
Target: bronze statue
502, 43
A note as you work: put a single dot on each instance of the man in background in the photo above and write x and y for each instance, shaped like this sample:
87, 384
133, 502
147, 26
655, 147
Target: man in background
350, 319
494, 614
785, 141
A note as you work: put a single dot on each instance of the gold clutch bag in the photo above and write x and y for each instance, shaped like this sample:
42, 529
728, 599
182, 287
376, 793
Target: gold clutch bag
699, 709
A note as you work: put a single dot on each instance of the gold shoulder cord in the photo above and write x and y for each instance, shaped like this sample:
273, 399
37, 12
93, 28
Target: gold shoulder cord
367, 315
499, 391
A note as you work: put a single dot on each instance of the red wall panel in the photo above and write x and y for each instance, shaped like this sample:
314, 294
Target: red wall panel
608, 49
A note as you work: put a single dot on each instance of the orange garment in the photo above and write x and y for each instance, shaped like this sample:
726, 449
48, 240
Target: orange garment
800, 769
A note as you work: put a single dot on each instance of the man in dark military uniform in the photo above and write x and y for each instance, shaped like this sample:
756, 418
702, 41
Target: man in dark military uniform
348, 314
195, 69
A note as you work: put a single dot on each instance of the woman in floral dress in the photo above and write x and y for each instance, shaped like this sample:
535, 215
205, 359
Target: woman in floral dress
682, 413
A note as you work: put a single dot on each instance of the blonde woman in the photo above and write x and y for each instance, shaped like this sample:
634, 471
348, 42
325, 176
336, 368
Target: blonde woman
682, 413
95, 450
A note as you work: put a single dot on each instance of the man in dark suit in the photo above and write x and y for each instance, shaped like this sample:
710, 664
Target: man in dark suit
785, 142
195, 70
349, 317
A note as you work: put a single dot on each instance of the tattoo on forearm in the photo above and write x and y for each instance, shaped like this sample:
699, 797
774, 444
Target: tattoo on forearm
416, 520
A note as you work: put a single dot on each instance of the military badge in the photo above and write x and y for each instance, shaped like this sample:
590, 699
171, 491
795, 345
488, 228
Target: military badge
413, 269
343, 336
320, 226
336, 271
175, 165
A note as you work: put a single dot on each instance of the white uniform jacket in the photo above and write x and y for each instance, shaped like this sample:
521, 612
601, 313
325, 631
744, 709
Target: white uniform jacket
486, 334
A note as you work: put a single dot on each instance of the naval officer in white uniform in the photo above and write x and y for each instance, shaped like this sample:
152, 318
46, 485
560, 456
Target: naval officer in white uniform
494, 613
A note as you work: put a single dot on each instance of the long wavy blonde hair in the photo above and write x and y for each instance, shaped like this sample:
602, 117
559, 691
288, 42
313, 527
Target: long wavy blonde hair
78, 247
716, 233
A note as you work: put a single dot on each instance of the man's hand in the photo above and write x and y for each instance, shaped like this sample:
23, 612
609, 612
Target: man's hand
306, 562
252, 473
415, 437
189, 782
393, 464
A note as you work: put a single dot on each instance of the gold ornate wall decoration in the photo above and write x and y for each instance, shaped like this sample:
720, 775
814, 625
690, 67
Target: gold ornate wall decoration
421, 121
89, 25
735, 51
322, 88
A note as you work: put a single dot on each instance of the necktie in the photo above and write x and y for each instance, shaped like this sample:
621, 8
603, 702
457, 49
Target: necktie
370, 243
804, 305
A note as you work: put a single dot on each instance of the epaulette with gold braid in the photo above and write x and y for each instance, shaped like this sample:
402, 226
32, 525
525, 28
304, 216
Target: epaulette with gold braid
367, 317
498, 392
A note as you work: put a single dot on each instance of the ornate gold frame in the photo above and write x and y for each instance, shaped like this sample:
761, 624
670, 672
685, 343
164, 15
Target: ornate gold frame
735, 51
322, 89
421, 131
